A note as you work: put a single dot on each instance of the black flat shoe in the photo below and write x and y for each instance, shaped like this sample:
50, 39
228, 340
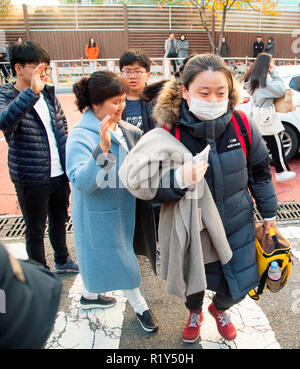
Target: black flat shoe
148, 321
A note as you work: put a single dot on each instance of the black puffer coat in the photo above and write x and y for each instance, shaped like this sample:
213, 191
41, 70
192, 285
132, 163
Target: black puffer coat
229, 177
29, 153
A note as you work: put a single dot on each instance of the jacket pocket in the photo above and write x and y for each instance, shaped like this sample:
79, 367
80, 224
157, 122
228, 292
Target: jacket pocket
105, 229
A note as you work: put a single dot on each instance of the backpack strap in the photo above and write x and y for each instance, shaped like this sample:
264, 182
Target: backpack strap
177, 131
242, 128
262, 282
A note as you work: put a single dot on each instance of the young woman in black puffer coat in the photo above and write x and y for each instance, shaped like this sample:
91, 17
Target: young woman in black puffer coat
199, 110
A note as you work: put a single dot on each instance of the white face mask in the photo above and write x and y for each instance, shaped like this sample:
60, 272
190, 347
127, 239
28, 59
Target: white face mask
204, 110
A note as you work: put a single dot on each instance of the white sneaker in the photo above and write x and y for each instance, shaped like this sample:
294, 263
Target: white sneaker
285, 176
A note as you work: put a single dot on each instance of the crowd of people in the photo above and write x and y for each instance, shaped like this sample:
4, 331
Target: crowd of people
180, 49
125, 201
175, 50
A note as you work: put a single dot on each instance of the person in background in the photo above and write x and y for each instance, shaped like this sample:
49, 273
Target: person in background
224, 52
36, 129
91, 49
196, 111
183, 48
270, 46
140, 99
135, 68
239, 69
171, 49
258, 46
110, 225
19, 40
4, 57
264, 85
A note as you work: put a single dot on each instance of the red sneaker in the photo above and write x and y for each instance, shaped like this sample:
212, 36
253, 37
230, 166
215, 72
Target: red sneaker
224, 325
191, 331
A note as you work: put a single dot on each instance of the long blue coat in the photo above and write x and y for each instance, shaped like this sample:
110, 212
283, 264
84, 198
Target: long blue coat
104, 213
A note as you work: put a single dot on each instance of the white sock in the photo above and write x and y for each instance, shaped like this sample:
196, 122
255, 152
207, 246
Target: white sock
88, 295
136, 300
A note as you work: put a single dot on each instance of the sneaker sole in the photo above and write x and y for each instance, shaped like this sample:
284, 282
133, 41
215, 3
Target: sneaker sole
190, 341
96, 306
65, 271
149, 330
284, 179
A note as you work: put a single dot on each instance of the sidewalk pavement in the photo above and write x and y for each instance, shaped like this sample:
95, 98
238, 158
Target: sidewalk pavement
286, 191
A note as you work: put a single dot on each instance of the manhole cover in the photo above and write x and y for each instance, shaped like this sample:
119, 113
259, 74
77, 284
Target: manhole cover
14, 227
287, 211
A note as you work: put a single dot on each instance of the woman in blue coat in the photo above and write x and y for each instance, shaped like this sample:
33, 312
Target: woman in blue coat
110, 225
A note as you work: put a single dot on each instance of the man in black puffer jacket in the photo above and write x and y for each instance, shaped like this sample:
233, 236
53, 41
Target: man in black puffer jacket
35, 129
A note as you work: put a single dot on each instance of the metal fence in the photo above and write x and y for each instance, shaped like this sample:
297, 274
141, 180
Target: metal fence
66, 72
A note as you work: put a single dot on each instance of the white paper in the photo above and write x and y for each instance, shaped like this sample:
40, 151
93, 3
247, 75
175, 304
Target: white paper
203, 155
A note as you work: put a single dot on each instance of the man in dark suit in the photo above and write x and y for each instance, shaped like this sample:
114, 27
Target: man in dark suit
258, 46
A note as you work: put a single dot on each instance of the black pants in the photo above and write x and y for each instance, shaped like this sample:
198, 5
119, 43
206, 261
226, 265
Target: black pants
36, 204
173, 62
195, 301
274, 144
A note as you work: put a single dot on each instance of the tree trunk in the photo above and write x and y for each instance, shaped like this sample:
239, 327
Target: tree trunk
224, 13
203, 22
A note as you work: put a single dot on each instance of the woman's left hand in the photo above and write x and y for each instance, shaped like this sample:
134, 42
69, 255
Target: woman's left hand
268, 224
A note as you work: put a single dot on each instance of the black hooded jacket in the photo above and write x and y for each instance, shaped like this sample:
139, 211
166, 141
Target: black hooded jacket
232, 179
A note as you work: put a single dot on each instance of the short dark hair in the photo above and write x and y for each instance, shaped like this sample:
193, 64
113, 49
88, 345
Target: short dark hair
98, 88
27, 52
135, 56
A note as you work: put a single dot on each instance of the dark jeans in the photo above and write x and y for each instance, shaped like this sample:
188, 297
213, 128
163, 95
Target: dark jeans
36, 204
173, 62
195, 301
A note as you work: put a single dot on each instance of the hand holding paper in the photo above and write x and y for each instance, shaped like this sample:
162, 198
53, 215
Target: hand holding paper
203, 155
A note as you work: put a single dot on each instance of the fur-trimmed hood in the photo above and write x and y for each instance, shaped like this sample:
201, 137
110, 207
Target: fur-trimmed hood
151, 91
167, 108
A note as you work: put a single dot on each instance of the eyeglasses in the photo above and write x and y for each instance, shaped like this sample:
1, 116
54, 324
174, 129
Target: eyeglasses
46, 70
135, 73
